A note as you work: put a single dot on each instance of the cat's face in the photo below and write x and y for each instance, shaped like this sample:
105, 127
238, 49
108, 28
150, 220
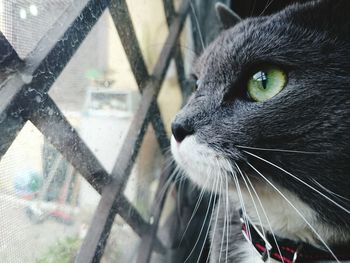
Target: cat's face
308, 114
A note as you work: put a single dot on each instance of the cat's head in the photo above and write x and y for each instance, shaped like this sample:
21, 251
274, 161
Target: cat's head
279, 83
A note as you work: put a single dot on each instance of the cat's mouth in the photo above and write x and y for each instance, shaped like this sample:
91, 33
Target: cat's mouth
203, 165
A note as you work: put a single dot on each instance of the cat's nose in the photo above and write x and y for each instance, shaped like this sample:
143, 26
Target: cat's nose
180, 131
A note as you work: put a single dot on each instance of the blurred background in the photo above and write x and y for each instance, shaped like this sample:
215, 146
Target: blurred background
45, 205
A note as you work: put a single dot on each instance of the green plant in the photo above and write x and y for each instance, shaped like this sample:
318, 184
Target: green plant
64, 251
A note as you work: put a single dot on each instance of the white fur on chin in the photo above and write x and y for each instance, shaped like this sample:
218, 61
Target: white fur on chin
204, 165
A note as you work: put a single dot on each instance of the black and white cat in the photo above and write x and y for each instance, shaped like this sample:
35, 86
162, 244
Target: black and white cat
268, 133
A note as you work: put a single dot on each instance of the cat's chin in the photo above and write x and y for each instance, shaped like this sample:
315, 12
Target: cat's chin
209, 170
204, 166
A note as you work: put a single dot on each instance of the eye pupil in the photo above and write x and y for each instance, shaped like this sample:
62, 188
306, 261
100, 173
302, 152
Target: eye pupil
261, 76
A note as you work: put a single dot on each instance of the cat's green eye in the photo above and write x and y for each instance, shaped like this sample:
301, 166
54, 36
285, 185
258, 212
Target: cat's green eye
266, 83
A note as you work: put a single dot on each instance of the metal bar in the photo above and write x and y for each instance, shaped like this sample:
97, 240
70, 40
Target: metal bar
9, 60
49, 120
80, 155
179, 63
127, 211
169, 46
122, 21
93, 245
159, 129
21, 92
169, 10
45, 63
56, 128
48, 180
148, 240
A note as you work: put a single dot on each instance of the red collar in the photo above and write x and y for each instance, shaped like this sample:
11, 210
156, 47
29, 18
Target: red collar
290, 251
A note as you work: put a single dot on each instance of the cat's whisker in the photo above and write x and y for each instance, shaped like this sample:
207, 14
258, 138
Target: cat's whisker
266, 7
277, 150
179, 190
252, 8
297, 210
194, 13
246, 179
227, 215
224, 227
169, 161
299, 180
240, 198
251, 196
201, 194
208, 230
215, 224
330, 192
204, 221
172, 179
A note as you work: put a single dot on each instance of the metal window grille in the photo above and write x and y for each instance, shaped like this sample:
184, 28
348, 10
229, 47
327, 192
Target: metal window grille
24, 80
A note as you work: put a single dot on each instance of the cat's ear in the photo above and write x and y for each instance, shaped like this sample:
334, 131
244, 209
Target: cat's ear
227, 17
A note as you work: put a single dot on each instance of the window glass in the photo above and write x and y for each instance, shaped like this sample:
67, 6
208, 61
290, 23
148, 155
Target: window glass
25, 22
45, 204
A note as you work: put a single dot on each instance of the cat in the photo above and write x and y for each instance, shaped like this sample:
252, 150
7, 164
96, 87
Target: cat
267, 134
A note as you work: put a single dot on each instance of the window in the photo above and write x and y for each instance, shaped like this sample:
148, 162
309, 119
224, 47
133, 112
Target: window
88, 89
